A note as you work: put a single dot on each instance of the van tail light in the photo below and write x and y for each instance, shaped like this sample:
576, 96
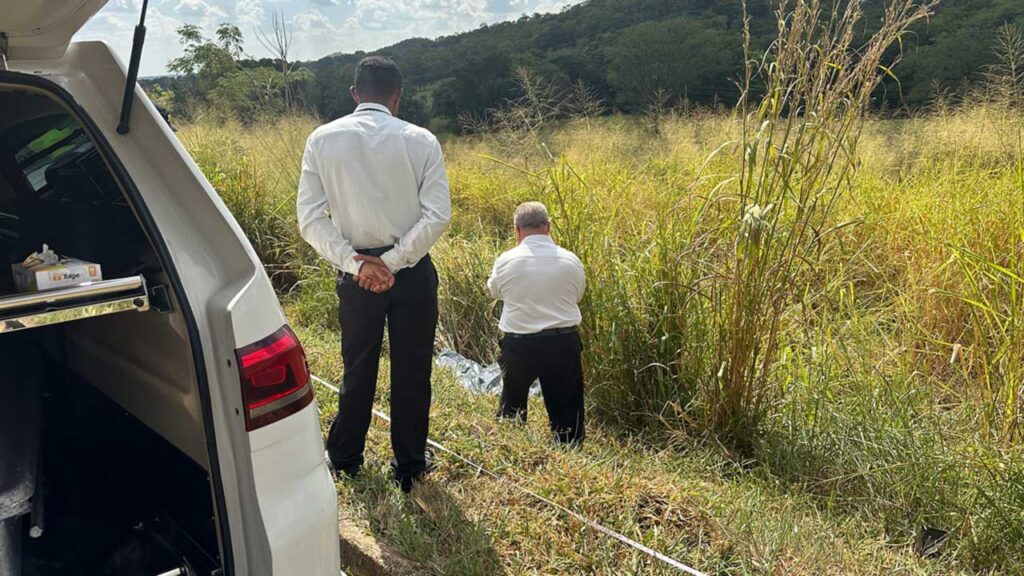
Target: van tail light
275, 379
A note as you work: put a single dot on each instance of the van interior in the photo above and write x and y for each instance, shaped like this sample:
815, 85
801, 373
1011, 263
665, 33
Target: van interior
103, 460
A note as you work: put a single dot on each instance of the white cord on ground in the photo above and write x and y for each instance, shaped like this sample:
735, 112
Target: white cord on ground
579, 517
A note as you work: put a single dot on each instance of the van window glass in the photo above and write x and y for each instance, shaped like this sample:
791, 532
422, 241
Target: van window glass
64, 139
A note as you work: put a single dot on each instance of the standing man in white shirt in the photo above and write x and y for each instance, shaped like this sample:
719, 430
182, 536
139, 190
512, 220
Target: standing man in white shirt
372, 200
541, 285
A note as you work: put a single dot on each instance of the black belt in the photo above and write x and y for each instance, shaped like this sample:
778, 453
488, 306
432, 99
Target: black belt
378, 252
544, 333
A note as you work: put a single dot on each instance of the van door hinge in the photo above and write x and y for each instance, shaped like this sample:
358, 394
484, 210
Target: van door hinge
159, 299
3, 50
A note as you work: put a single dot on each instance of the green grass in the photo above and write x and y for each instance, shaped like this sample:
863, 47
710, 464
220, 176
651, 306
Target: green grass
804, 331
689, 501
894, 395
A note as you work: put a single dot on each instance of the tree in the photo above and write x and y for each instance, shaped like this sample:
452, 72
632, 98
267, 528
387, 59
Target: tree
414, 108
279, 43
252, 93
161, 98
686, 58
205, 61
220, 78
479, 84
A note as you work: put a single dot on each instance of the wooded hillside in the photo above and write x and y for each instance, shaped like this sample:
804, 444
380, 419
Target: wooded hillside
627, 51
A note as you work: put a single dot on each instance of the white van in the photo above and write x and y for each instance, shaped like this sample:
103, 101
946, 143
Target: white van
160, 420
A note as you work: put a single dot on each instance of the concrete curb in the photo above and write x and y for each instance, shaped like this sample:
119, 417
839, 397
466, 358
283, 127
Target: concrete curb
363, 555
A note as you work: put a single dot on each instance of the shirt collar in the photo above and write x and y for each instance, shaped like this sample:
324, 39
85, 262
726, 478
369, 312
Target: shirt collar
538, 239
373, 106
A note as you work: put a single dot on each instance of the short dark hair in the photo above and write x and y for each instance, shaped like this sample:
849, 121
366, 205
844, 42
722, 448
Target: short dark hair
378, 77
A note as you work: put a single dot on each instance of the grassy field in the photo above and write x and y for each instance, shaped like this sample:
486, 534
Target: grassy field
893, 401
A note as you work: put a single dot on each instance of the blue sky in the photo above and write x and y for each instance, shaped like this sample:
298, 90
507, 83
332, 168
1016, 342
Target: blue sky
319, 27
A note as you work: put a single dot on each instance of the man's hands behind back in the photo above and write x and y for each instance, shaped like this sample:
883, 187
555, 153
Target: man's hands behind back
374, 274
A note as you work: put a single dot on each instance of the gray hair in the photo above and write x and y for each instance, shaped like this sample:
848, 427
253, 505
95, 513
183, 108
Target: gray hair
531, 215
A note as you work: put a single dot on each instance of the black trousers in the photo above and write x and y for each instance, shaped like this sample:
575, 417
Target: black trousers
556, 361
409, 310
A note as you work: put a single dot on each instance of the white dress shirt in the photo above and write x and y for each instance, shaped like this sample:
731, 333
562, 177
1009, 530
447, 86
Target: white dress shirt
371, 180
541, 285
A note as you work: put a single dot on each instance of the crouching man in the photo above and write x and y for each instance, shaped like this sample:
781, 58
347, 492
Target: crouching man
541, 285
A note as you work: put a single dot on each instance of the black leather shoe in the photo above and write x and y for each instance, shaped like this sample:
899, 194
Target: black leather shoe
406, 482
349, 471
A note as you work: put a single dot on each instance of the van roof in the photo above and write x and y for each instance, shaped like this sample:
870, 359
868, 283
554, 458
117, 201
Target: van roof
42, 29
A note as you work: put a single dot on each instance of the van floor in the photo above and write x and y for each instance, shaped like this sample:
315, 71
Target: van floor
118, 499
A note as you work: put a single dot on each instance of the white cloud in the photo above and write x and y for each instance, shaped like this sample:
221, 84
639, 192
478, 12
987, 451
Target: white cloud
121, 6
553, 5
250, 13
198, 9
117, 27
419, 17
313, 22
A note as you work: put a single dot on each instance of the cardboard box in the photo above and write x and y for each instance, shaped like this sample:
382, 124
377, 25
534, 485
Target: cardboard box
47, 276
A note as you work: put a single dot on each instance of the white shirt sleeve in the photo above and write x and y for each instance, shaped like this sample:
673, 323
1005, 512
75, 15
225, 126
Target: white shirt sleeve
492, 283
582, 278
315, 224
435, 203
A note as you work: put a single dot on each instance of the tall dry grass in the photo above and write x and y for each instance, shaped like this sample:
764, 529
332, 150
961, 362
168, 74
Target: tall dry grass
878, 404
839, 298
798, 157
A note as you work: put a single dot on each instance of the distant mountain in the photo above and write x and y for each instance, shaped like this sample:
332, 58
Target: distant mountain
626, 49
623, 49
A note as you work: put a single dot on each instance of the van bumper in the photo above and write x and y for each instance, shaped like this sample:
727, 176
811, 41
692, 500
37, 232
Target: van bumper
297, 497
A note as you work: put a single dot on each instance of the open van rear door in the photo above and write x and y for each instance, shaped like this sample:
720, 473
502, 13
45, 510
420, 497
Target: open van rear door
42, 29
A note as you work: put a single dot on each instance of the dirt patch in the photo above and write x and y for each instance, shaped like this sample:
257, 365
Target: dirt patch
364, 555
